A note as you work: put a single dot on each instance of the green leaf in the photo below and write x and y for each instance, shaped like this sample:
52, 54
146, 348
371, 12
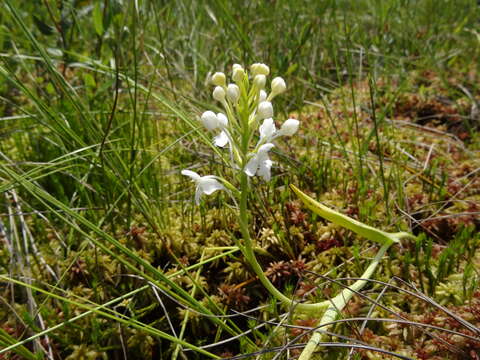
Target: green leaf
89, 80
97, 14
6, 339
356, 226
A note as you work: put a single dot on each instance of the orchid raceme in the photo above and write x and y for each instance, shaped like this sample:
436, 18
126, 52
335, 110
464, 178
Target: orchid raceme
247, 113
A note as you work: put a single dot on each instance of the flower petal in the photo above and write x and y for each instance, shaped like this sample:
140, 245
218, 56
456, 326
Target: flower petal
278, 85
289, 127
260, 81
233, 93
264, 169
238, 73
191, 174
208, 185
265, 110
252, 166
262, 96
267, 129
222, 120
221, 139
264, 149
219, 79
219, 93
210, 120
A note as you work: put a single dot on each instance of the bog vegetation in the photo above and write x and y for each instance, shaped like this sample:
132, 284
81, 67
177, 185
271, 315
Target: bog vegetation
108, 251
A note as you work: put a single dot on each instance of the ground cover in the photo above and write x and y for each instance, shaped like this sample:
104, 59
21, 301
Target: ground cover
100, 108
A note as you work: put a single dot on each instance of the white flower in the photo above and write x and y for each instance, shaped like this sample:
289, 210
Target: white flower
260, 163
262, 96
233, 93
259, 69
222, 120
219, 79
219, 93
237, 73
289, 127
278, 86
265, 110
267, 130
260, 81
210, 120
265, 169
221, 139
204, 184
218, 121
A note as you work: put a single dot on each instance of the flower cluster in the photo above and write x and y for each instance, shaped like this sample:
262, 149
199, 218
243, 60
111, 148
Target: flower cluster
247, 108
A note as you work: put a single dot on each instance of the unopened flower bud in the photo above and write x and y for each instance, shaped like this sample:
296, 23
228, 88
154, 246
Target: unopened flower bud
260, 81
222, 120
278, 85
289, 127
219, 93
233, 93
219, 79
237, 73
209, 120
265, 110
259, 69
262, 96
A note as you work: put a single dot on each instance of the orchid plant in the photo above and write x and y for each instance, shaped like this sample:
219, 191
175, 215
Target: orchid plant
247, 129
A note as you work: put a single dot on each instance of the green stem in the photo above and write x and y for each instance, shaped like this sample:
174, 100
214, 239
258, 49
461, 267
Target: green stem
249, 254
339, 302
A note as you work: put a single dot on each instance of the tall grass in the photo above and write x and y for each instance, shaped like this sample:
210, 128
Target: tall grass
99, 100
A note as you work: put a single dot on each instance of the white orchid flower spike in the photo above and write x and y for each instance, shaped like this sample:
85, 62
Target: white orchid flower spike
245, 94
204, 184
260, 163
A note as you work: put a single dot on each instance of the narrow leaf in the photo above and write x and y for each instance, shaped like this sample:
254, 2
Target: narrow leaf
337, 218
97, 14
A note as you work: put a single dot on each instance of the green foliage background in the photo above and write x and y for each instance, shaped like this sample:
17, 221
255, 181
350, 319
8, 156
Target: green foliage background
99, 103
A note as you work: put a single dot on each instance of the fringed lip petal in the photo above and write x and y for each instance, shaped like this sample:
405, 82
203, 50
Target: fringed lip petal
264, 169
260, 163
252, 166
221, 140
